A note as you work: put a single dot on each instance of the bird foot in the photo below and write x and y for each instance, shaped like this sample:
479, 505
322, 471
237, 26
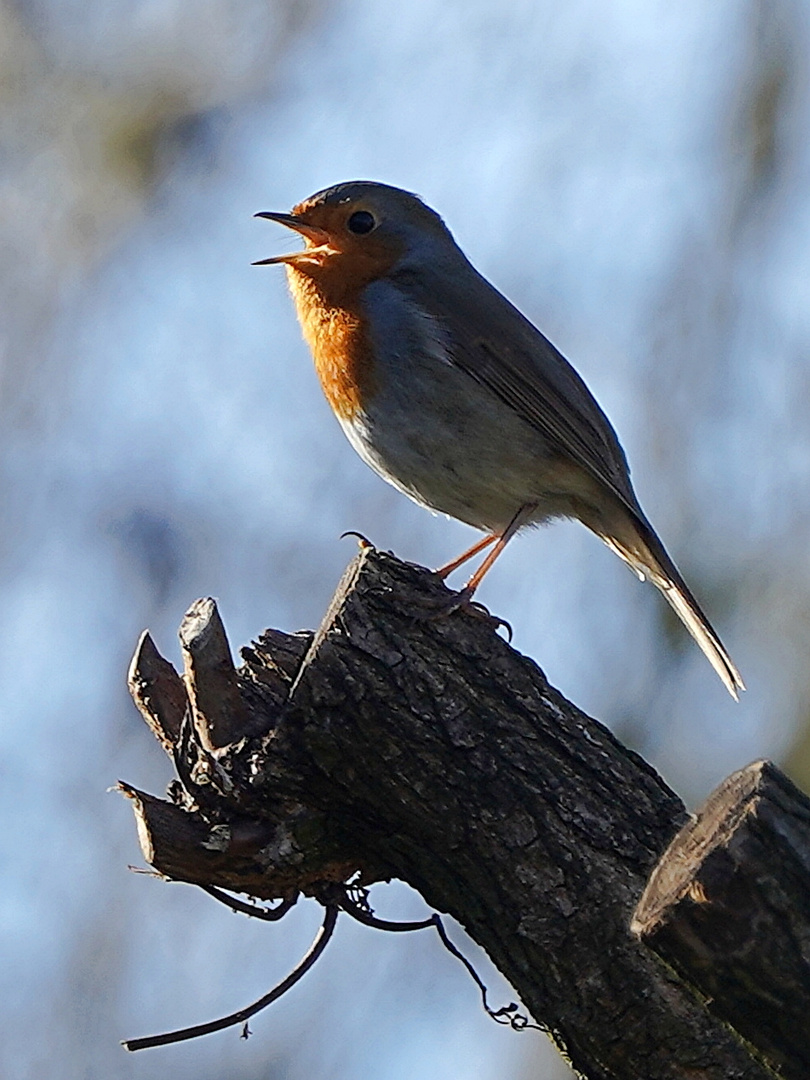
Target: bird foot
463, 601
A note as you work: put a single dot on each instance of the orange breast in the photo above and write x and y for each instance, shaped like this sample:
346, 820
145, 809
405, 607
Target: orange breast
337, 334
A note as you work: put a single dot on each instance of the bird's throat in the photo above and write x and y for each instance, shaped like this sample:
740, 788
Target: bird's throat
337, 334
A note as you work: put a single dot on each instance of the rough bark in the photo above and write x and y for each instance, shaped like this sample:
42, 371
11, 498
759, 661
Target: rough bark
728, 906
396, 744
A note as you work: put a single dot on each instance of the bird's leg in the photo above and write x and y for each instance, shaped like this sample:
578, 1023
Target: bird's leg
463, 599
479, 545
521, 518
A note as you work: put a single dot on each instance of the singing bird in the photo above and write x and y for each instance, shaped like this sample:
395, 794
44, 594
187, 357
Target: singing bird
448, 392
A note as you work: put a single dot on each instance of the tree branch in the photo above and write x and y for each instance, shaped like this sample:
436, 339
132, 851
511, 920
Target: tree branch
392, 744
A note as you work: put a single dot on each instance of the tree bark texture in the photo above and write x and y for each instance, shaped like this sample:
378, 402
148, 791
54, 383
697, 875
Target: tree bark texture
728, 906
395, 743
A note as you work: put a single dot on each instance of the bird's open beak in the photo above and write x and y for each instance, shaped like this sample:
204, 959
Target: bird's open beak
317, 240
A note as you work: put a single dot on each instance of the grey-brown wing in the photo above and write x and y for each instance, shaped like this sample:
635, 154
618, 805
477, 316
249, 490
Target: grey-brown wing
493, 343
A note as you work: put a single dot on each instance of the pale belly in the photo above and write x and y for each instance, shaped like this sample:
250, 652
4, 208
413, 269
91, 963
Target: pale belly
452, 446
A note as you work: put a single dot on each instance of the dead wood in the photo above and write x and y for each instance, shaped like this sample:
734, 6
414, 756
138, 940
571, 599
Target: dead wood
395, 744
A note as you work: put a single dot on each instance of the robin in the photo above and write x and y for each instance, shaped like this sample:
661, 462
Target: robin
450, 394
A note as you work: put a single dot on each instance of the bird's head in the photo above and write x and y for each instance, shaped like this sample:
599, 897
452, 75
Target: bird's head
358, 232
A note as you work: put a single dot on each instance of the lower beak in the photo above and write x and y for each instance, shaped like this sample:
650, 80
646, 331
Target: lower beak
313, 236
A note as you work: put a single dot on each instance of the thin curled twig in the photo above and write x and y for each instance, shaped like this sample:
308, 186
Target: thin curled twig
243, 1015
254, 910
334, 898
359, 908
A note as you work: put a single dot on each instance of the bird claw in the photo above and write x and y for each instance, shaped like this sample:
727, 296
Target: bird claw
363, 542
473, 607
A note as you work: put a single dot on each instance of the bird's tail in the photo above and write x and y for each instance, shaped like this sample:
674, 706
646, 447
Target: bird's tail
645, 553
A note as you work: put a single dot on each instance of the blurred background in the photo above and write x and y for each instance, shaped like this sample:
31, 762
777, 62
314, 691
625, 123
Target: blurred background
635, 176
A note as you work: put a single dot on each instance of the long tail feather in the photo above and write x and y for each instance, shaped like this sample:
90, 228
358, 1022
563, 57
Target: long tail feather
647, 556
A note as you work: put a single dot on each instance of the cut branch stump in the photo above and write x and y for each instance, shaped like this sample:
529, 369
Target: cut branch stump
728, 906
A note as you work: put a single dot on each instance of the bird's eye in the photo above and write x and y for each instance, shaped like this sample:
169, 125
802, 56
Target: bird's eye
361, 222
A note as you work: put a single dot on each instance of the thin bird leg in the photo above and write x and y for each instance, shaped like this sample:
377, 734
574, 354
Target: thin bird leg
518, 521
479, 545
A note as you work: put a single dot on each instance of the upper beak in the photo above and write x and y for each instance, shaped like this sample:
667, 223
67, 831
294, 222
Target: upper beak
314, 236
